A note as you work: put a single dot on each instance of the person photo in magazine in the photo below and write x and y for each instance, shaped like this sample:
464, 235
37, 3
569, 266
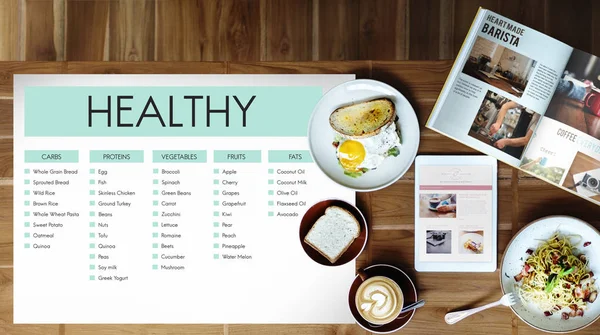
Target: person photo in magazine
504, 124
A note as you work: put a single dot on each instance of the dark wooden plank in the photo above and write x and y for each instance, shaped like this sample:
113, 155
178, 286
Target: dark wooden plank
595, 32
383, 29
131, 30
6, 226
570, 22
362, 69
9, 31
6, 118
147, 67
464, 13
337, 30
424, 29
6, 158
44, 30
288, 30
239, 30
446, 39
87, 29
187, 30
6, 311
8, 69
528, 12
538, 199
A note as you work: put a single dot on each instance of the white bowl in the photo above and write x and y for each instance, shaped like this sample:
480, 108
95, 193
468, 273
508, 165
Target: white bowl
514, 258
321, 135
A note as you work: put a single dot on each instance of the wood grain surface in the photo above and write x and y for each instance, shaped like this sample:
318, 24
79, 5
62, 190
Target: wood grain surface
270, 30
390, 212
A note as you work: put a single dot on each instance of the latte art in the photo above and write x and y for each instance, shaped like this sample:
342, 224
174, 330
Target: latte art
379, 300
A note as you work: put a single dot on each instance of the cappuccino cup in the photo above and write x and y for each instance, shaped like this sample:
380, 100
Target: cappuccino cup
434, 202
379, 299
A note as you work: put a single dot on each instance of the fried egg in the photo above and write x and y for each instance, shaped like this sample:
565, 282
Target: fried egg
360, 154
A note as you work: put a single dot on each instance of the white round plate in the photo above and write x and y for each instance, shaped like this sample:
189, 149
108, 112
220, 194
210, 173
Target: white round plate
469, 236
529, 238
321, 135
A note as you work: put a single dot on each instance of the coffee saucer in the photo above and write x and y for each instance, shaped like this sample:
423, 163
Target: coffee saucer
408, 290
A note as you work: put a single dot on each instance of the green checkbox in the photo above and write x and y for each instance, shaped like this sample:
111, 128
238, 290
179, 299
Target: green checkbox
26, 245
27, 203
216, 246
155, 213
215, 235
155, 203
92, 181
92, 267
92, 192
271, 202
27, 181
154, 224
270, 213
271, 181
271, 192
154, 245
215, 256
92, 224
26, 235
92, 235
215, 224
27, 192
154, 170
92, 213
271, 171
216, 192
155, 192
92, 245
154, 256
92, 256
155, 235
216, 182
92, 203
155, 182
92, 171
216, 171
92, 277
27, 213
27, 224
215, 213
154, 266
216, 203
26, 171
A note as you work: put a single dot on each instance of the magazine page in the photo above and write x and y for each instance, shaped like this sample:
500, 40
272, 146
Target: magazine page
565, 149
501, 83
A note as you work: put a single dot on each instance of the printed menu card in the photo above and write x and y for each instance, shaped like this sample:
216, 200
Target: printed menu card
169, 199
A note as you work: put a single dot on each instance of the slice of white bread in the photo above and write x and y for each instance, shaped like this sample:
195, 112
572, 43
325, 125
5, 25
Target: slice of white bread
364, 119
333, 233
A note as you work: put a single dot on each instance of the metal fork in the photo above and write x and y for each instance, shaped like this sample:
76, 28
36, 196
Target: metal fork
508, 299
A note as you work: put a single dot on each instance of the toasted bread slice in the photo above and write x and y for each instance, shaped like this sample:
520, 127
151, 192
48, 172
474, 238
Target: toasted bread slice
333, 233
363, 119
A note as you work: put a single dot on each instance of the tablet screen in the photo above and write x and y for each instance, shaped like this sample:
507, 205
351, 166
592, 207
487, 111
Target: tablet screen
455, 213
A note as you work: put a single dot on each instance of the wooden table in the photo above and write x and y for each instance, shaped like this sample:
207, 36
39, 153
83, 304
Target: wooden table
390, 212
581, 163
571, 112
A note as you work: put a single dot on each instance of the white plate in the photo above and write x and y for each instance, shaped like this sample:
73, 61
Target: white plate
529, 238
321, 135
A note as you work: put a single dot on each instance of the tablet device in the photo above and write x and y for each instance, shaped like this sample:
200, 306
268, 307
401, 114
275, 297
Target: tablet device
456, 213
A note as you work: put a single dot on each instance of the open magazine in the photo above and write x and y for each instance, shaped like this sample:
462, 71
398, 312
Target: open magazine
527, 99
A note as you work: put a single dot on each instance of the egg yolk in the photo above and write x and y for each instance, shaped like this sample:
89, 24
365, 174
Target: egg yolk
351, 155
